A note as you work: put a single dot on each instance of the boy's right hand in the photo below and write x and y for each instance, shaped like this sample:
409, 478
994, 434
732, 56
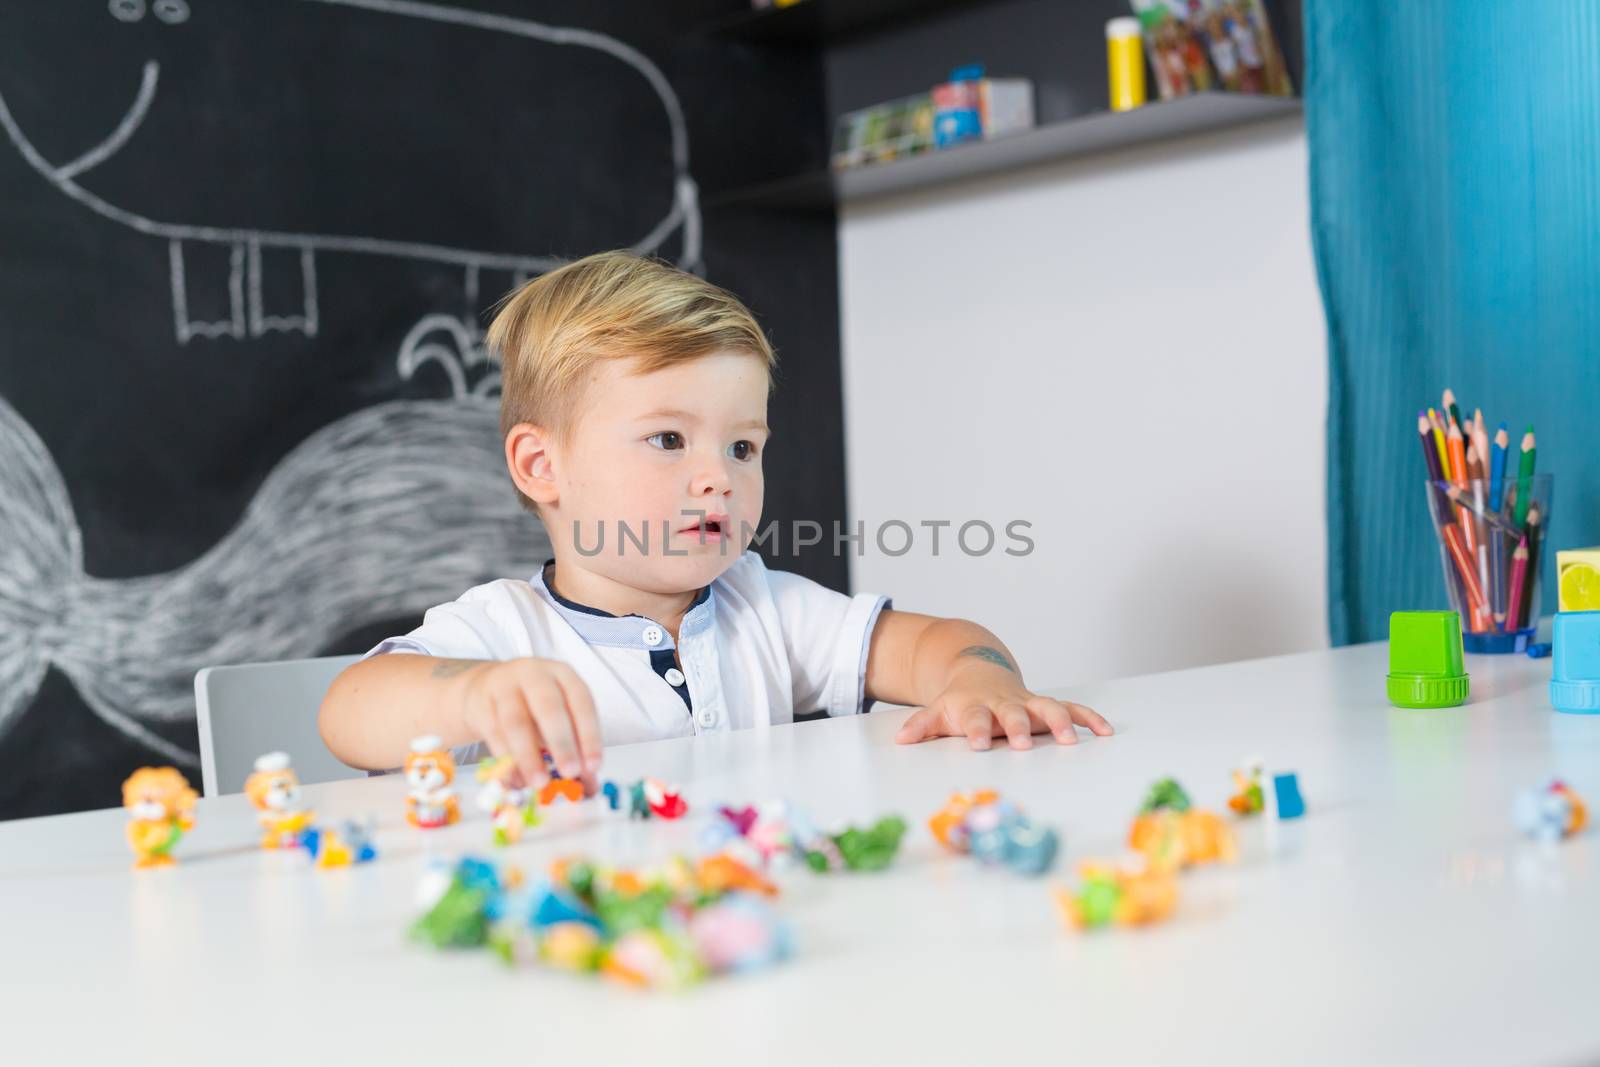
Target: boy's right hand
520, 707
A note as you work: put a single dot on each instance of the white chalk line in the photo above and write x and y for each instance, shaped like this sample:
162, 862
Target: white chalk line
119, 137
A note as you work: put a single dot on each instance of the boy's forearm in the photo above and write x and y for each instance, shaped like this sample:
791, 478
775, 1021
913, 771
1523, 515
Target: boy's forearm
375, 707
915, 657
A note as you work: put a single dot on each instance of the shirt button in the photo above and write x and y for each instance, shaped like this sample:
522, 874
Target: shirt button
652, 635
673, 676
706, 717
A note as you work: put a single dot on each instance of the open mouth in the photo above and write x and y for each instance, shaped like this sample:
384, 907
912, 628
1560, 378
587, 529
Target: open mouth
711, 527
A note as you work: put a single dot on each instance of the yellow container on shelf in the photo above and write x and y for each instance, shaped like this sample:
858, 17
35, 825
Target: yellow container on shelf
1125, 63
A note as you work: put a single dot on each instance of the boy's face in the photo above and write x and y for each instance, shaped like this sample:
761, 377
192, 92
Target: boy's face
652, 452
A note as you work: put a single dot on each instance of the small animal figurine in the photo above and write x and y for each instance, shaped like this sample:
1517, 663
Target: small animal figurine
558, 787
274, 789
341, 847
1550, 812
666, 802
160, 805
510, 808
1107, 894
1169, 840
431, 772
1249, 799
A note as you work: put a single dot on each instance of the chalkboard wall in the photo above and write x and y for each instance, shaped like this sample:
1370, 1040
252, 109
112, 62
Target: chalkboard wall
245, 251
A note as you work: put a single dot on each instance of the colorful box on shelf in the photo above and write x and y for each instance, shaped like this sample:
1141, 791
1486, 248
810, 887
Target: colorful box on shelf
884, 132
971, 107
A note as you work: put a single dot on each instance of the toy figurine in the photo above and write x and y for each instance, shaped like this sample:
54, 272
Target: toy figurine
1551, 812
1249, 798
430, 771
665, 803
511, 809
558, 787
1107, 895
1166, 794
1170, 841
274, 789
351, 843
996, 832
160, 804
949, 823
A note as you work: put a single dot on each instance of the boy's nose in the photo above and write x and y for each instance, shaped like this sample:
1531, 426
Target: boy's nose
710, 482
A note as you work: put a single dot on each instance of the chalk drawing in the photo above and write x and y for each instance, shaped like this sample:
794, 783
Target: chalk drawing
379, 515
247, 317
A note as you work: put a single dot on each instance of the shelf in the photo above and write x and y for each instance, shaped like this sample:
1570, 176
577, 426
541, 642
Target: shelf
1100, 132
813, 22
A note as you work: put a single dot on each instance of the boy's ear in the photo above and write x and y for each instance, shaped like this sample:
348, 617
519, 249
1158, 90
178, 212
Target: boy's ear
530, 462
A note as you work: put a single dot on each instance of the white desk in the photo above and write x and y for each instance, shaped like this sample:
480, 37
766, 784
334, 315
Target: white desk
1403, 920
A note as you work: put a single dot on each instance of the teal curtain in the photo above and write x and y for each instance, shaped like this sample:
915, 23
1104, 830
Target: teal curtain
1455, 206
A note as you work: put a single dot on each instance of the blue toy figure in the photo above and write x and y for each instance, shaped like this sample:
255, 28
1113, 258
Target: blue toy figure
1575, 664
1286, 788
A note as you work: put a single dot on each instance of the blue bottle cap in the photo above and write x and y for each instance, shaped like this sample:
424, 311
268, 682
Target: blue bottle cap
1575, 663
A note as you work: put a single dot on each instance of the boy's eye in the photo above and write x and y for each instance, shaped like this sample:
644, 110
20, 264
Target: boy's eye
742, 449
667, 441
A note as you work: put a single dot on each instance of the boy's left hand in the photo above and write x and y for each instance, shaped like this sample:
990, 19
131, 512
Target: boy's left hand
984, 701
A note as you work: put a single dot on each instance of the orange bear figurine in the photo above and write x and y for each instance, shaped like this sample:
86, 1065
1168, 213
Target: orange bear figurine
431, 772
161, 803
274, 789
1171, 840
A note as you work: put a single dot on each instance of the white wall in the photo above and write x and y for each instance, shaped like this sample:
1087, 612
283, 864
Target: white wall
1127, 352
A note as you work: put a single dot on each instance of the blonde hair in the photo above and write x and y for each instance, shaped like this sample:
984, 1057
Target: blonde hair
550, 333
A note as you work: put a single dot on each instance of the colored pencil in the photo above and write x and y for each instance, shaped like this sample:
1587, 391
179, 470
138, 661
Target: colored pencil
1530, 582
1458, 464
1430, 459
1519, 576
1480, 437
1450, 408
1497, 469
1469, 575
1438, 440
1525, 464
1473, 515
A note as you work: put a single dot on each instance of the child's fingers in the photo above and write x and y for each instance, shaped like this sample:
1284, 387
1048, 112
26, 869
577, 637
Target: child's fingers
520, 736
920, 725
584, 720
1018, 727
1055, 716
548, 703
977, 722
1085, 716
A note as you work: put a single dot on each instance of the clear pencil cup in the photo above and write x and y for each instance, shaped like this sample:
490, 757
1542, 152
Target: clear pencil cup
1492, 552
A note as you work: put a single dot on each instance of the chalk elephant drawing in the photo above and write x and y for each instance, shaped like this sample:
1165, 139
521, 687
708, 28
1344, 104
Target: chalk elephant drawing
376, 516
248, 316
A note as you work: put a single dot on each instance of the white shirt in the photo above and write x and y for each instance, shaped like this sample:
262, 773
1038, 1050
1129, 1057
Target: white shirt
756, 647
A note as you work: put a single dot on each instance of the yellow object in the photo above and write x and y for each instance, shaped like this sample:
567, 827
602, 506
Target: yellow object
1578, 574
1125, 63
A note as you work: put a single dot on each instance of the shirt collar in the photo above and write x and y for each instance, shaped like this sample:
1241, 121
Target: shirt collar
599, 627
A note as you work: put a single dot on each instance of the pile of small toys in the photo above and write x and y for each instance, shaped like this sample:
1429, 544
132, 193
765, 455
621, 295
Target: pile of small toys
669, 926
662, 928
1168, 835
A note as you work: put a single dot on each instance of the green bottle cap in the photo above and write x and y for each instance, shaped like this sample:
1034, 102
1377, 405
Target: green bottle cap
1425, 668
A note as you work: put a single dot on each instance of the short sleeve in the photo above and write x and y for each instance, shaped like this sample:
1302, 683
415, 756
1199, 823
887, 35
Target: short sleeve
462, 629
827, 635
